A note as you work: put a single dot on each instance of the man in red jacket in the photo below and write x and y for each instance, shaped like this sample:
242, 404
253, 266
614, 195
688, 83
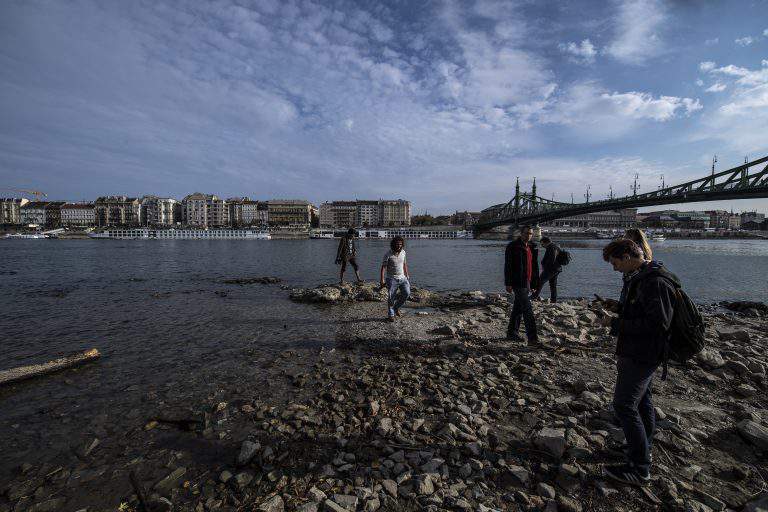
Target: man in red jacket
521, 278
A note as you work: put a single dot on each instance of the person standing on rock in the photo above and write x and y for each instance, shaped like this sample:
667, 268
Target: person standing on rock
549, 269
521, 276
346, 254
397, 277
642, 329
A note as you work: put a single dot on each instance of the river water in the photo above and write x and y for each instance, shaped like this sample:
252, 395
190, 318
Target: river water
160, 313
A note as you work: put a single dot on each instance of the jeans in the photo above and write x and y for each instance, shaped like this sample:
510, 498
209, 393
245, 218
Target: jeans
522, 309
395, 299
552, 278
633, 406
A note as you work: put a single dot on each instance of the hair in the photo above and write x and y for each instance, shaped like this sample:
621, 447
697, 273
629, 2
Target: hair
545, 240
351, 231
618, 248
395, 240
637, 236
525, 226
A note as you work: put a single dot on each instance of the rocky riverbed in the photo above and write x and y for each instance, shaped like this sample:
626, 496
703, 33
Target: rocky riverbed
433, 412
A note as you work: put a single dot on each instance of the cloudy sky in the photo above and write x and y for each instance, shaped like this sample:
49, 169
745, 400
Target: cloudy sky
444, 103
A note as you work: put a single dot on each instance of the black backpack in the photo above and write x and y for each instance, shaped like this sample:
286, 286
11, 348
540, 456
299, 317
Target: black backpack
563, 258
686, 334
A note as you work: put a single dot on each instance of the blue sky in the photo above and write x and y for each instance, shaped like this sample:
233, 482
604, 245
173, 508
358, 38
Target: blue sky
444, 103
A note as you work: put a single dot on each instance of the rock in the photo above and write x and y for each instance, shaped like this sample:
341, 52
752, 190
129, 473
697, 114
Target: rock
424, 486
273, 504
332, 506
445, 330
733, 335
745, 390
308, 507
247, 451
225, 476
551, 440
372, 505
604, 489
754, 433
316, 494
385, 426
566, 504
545, 491
165, 485
373, 407
243, 479
390, 486
710, 359
737, 367
346, 501
86, 450
253, 280
520, 473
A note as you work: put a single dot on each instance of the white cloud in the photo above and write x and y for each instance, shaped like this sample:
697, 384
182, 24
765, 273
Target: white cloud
765, 32
717, 87
637, 31
713, 41
583, 52
707, 65
745, 41
700, 82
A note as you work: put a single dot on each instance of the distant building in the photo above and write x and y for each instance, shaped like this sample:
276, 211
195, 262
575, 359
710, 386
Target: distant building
34, 213
466, 219
751, 225
366, 213
80, 215
394, 213
289, 212
53, 214
117, 211
160, 211
10, 209
752, 217
659, 220
718, 219
204, 211
338, 214
734, 221
692, 219
246, 212
625, 218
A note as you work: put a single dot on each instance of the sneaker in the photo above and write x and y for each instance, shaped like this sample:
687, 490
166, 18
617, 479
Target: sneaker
626, 474
397, 312
390, 319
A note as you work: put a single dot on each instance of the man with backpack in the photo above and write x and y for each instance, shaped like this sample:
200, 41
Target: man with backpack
551, 266
521, 276
643, 329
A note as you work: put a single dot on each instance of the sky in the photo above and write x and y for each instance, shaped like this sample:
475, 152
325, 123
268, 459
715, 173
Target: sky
443, 103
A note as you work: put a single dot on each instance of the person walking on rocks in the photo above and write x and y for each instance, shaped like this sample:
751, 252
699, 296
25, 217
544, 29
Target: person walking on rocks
397, 277
521, 276
642, 330
549, 269
346, 253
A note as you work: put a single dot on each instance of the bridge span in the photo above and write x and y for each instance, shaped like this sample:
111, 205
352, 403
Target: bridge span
747, 181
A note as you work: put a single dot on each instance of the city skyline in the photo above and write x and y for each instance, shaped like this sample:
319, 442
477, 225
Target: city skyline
445, 103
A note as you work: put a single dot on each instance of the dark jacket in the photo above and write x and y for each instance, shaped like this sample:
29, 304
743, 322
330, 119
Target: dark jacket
514, 265
549, 262
646, 313
343, 253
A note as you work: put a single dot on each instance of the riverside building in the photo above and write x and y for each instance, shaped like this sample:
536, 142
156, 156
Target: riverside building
204, 211
625, 218
117, 211
160, 211
10, 209
34, 213
78, 215
365, 213
289, 213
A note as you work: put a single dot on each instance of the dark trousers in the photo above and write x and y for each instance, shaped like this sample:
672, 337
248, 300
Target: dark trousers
552, 278
522, 309
633, 406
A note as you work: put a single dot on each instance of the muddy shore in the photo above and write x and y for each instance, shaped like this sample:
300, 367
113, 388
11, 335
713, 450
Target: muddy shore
433, 412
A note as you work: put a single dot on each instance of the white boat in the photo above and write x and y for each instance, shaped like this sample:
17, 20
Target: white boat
26, 236
658, 238
182, 234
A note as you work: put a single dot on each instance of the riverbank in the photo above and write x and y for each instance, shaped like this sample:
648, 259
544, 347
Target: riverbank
434, 411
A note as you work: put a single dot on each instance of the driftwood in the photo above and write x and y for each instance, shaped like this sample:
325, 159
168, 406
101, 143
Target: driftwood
38, 370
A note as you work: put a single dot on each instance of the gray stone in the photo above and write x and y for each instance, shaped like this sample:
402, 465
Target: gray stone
566, 504
372, 505
49, 505
316, 494
225, 476
273, 504
247, 451
520, 473
332, 506
373, 407
604, 489
243, 479
445, 330
546, 491
424, 486
754, 433
758, 505
710, 359
737, 367
551, 440
347, 501
390, 486
475, 448
308, 507
385, 426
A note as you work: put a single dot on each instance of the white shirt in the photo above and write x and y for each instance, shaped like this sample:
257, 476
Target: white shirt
395, 264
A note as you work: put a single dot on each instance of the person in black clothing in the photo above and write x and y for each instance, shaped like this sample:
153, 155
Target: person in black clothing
521, 276
549, 269
346, 254
642, 329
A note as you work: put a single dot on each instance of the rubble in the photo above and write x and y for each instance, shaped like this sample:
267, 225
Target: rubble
401, 419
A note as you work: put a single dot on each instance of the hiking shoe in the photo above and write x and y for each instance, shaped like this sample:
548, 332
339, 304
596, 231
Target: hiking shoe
626, 474
397, 312
390, 319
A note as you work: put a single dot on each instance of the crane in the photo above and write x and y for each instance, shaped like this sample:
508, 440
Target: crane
38, 194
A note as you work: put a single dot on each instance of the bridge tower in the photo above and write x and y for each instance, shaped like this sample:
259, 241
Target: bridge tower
533, 194
587, 194
635, 187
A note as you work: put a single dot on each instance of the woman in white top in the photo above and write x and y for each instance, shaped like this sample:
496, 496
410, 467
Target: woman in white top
396, 268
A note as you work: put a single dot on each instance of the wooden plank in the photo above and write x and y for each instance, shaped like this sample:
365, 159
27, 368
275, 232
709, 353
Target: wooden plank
39, 370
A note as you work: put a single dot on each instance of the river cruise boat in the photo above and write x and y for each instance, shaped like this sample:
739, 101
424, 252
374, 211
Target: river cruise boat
181, 234
26, 236
658, 238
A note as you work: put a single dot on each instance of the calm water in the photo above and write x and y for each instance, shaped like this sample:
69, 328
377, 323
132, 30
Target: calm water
164, 320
